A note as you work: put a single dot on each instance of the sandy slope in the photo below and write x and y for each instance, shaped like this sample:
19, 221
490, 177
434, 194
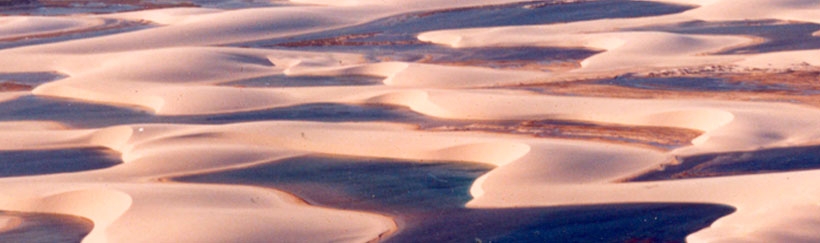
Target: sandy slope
176, 67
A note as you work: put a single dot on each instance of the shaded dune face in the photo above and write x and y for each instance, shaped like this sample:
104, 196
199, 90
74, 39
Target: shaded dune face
428, 196
41, 227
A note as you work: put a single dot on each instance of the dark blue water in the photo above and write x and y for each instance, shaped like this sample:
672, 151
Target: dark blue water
71, 7
385, 183
394, 38
493, 57
47, 7
780, 36
615, 223
89, 115
428, 198
307, 81
110, 27
693, 84
47, 228
404, 27
41, 162
738, 163
32, 79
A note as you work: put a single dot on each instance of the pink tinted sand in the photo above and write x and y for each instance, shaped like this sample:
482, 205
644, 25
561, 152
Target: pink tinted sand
173, 69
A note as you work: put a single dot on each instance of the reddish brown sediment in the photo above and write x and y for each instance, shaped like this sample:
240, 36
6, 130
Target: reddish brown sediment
649, 136
348, 40
519, 65
552, 63
793, 86
11, 86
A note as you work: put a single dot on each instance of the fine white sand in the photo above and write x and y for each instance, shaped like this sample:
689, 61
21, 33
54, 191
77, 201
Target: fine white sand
176, 66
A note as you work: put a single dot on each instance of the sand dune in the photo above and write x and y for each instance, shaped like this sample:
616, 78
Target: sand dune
550, 108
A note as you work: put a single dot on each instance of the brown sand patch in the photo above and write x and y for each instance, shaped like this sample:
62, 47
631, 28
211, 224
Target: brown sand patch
11, 86
794, 86
349, 40
518, 65
357, 40
652, 136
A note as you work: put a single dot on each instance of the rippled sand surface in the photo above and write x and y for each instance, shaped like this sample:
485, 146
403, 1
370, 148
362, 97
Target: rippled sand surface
410, 121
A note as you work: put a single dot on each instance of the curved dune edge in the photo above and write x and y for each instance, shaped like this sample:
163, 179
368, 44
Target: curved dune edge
9, 223
192, 149
17, 27
102, 206
123, 211
176, 68
327, 138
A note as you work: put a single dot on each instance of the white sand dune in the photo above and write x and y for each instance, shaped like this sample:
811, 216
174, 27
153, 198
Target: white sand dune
180, 63
19, 27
